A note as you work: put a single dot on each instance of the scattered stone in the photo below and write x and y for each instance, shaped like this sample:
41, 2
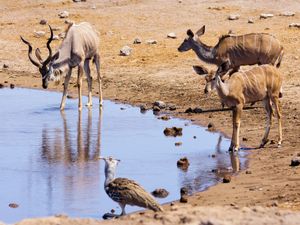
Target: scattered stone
39, 34
173, 131
125, 51
160, 104
216, 7
211, 127
151, 42
137, 41
183, 163
245, 139
43, 22
248, 172
178, 143
93, 7
172, 107
295, 161
160, 193
172, 35
5, 66
226, 178
195, 110
265, 15
250, 20
233, 17
13, 205
156, 109
295, 25
12, 86
63, 14
183, 195
287, 13
165, 117
1, 86
143, 108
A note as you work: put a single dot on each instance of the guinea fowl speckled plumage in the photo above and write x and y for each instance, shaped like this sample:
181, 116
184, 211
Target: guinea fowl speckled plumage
125, 191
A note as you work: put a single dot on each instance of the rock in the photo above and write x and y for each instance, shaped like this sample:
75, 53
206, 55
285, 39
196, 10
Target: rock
5, 66
93, 7
183, 195
295, 161
63, 14
233, 17
125, 51
178, 143
194, 137
13, 205
172, 35
160, 104
39, 34
248, 172
250, 20
160, 193
216, 8
137, 41
1, 86
295, 25
12, 86
183, 163
287, 13
172, 107
195, 110
211, 127
143, 108
156, 109
265, 15
76, 0
43, 22
183, 199
173, 131
226, 178
151, 42
165, 117
244, 139
213, 156
122, 108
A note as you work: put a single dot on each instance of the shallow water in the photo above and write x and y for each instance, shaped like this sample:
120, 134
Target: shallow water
48, 160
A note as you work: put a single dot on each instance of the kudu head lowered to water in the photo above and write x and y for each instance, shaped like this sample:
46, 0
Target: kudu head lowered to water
43, 65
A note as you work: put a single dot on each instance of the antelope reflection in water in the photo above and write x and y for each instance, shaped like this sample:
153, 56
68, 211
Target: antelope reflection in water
193, 178
63, 148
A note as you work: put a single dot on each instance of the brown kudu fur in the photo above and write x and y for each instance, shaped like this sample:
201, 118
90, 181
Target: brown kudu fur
259, 83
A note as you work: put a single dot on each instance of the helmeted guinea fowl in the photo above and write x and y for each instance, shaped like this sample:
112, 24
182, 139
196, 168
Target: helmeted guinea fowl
125, 191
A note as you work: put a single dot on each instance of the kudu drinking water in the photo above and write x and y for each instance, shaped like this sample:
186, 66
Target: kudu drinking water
259, 83
248, 49
80, 45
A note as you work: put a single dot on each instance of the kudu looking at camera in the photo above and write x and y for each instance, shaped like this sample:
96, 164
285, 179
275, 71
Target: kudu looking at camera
259, 83
248, 49
80, 45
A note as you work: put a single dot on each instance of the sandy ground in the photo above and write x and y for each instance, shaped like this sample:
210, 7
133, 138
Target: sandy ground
160, 72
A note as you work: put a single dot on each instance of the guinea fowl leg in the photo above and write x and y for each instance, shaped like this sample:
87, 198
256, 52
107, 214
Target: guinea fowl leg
123, 209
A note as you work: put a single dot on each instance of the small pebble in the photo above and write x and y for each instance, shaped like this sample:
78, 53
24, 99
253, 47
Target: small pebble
178, 143
43, 22
172, 35
265, 15
125, 51
151, 42
137, 41
233, 17
13, 205
12, 86
63, 14
226, 178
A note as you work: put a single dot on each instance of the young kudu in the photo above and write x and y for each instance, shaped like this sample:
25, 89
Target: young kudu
248, 49
259, 83
80, 45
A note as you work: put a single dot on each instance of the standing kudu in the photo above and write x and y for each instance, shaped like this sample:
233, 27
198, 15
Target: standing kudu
248, 49
80, 45
259, 83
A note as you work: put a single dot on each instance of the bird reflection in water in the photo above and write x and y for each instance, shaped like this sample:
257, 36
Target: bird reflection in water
58, 145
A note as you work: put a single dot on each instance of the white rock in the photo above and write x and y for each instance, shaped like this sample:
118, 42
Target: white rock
160, 104
250, 20
265, 15
137, 41
288, 13
93, 7
151, 42
172, 35
295, 25
39, 34
63, 14
125, 51
233, 16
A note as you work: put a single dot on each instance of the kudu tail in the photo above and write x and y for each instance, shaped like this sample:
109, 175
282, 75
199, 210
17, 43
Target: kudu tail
278, 63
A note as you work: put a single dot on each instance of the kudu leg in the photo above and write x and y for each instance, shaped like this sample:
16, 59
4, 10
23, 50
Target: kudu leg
99, 77
66, 84
269, 111
79, 86
89, 81
278, 114
236, 122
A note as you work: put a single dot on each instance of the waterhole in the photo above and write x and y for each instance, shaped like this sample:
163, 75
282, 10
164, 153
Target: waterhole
49, 160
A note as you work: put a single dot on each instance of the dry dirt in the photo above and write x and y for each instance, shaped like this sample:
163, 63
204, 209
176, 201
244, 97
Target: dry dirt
160, 72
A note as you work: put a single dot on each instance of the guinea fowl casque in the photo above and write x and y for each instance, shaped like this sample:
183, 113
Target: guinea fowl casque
125, 191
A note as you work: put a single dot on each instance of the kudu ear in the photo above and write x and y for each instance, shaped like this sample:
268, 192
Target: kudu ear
200, 70
190, 33
38, 55
201, 31
223, 68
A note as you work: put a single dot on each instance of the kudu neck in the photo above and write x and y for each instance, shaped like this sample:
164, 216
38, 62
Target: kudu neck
204, 52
